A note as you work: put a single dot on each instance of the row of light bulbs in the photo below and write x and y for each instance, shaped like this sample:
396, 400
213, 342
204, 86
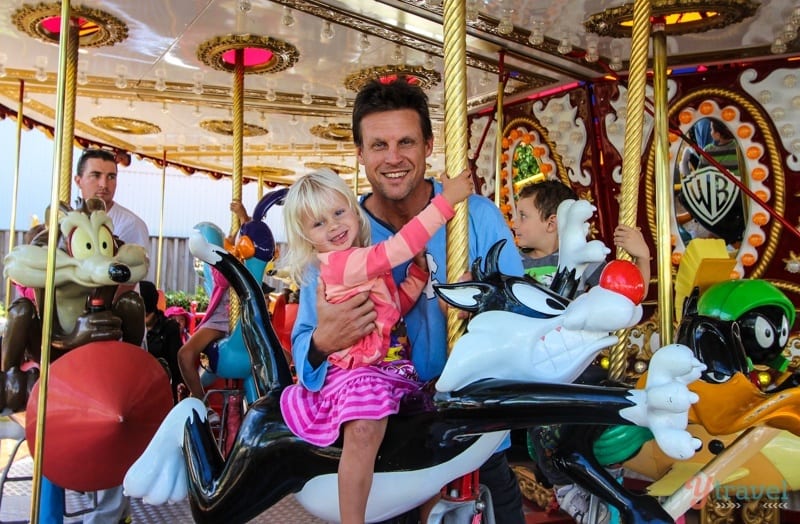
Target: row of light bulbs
787, 33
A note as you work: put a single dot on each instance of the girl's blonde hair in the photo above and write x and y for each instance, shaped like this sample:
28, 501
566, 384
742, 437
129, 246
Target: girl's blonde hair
310, 196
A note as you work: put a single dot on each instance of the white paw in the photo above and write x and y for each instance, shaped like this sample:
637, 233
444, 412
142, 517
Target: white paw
159, 474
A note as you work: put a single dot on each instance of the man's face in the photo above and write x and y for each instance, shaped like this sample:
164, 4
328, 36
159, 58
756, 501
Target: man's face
393, 152
99, 179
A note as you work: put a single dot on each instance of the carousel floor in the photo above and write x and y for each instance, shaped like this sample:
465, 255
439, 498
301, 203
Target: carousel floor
17, 495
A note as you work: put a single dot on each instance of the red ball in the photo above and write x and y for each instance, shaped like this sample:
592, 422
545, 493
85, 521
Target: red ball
623, 277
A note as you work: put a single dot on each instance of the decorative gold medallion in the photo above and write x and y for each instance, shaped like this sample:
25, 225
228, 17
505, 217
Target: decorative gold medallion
225, 127
269, 55
339, 169
126, 125
338, 132
680, 16
96, 28
417, 75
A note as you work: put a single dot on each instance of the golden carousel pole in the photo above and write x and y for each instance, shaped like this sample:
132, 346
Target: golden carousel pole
498, 143
632, 154
62, 166
663, 181
455, 146
238, 138
161, 219
15, 191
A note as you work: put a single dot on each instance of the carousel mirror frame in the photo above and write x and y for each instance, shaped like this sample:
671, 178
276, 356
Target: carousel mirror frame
517, 131
762, 173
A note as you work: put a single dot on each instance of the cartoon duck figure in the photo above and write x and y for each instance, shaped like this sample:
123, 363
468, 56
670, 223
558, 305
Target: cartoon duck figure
734, 326
90, 264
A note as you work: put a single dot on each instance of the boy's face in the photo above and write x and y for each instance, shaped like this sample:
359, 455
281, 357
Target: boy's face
531, 230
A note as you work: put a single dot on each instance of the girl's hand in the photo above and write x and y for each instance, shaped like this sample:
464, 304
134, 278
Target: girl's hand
421, 261
458, 188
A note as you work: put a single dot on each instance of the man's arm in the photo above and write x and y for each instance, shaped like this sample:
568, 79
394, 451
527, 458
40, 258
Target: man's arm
322, 328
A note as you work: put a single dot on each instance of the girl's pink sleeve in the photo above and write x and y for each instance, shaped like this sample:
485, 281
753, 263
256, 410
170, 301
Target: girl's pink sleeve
411, 288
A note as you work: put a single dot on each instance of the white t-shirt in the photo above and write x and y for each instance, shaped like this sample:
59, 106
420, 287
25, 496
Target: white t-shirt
129, 227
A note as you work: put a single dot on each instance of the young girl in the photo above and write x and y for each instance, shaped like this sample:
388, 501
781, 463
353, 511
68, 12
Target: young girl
365, 382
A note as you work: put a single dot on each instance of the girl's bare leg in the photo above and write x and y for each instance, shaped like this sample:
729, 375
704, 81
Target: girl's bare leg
362, 438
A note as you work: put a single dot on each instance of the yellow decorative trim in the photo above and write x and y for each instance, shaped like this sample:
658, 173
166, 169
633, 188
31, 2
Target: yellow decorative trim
426, 79
336, 168
104, 30
284, 54
130, 126
339, 132
225, 127
711, 14
267, 172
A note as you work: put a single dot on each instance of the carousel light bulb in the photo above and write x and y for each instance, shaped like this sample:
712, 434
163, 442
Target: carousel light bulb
161, 85
131, 107
789, 32
428, 64
307, 99
41, 65
197, 88
197, 113
506, 26
364, 43
536, 37
787, 130
293, 121
765, 96
564, 45
778, 47
341, 102
472, 11
795, 17
397, 56
778, 113
287, 19
484, 79
790, 81
122, 78
245, 6
327, 33
433, 3
270, 95
164, 108
796, 102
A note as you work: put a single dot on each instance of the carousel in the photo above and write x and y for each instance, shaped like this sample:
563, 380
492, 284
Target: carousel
621, 101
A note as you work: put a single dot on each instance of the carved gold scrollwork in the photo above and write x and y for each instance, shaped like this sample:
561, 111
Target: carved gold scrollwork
531, 488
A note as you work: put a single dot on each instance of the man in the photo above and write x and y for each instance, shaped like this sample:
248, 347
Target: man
393, 137
96, 176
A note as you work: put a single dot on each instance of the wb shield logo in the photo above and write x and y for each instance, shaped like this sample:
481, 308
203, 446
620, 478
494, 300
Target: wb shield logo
715, 202
709, 195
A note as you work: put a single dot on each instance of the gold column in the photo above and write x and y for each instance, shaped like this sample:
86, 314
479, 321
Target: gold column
15, 191
663, 184
161, 219
68, 134
632, 153
498, 143
238, 136
455, 146
62, 155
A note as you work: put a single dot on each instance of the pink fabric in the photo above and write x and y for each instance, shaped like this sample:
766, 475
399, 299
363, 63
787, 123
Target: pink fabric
218, 293
366, 393
347, 273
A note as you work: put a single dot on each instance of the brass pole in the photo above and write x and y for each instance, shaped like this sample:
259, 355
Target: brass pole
662, 182
455, 146
161, 219
65, 88
632, 153
260, 186
498, 143
68, 135
238, 136
15, 191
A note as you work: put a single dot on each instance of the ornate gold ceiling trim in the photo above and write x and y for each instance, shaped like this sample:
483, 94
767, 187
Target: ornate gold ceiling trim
338, 132
284, 54
267, 172
714, 14
102, 28
393, 34
130, 126
225, 127
425, 78
339, 169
